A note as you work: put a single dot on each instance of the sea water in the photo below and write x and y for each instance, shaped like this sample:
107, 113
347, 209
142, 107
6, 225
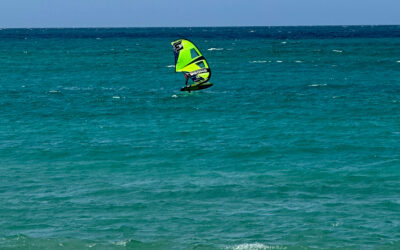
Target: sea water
296, 146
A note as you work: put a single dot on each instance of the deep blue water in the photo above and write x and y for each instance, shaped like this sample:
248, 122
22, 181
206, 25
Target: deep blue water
296, 146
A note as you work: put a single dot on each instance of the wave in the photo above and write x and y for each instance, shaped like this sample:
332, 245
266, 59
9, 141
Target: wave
72, 88
211, 49
170, 66
337, 51
318, 85
54, 91
260, 61
26, 242
255, 246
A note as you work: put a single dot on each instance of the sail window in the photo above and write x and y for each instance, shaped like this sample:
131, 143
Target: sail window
201, 64
193, 53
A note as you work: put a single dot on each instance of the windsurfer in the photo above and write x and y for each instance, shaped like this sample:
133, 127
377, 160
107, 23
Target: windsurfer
187, 78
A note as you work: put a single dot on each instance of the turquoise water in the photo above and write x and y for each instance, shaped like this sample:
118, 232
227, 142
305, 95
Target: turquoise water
296, 146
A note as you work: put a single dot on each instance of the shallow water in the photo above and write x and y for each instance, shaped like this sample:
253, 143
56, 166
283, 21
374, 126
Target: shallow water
295, 146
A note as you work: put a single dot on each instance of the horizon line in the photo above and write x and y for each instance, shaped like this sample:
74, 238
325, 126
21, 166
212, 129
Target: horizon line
222, 26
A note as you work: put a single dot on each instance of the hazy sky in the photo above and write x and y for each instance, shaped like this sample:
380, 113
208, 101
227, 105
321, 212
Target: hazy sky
145, 13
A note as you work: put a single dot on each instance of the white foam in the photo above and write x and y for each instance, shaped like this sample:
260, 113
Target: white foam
337, 51
284, 42
258, 61
278, 61
254, 246
116, 97
251, 31
317, 85
398, 61
54, 91
170, 66
211, 49
121, 243
298, 61
174, 96
98, 38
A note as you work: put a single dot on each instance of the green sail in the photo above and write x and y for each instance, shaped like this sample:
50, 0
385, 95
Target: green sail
188, 59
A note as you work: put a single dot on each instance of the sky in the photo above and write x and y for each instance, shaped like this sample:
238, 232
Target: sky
186, 13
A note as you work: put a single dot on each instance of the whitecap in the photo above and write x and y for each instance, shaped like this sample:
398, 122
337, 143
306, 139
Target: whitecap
278, 61
318, 85
254, 246
298, 61
251, 31
211, 49
258, 61
398, 61
121, 243
174, 96
337, 51
284, 42
54, 91
116, 97
98, 38
171, 66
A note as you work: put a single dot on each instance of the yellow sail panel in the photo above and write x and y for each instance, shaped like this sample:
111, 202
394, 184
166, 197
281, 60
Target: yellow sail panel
185, 53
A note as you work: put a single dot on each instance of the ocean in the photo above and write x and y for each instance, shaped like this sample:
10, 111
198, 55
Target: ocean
296, 146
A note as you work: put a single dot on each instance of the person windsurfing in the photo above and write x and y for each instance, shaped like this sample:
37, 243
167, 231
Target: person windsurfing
187, 78
190, 61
